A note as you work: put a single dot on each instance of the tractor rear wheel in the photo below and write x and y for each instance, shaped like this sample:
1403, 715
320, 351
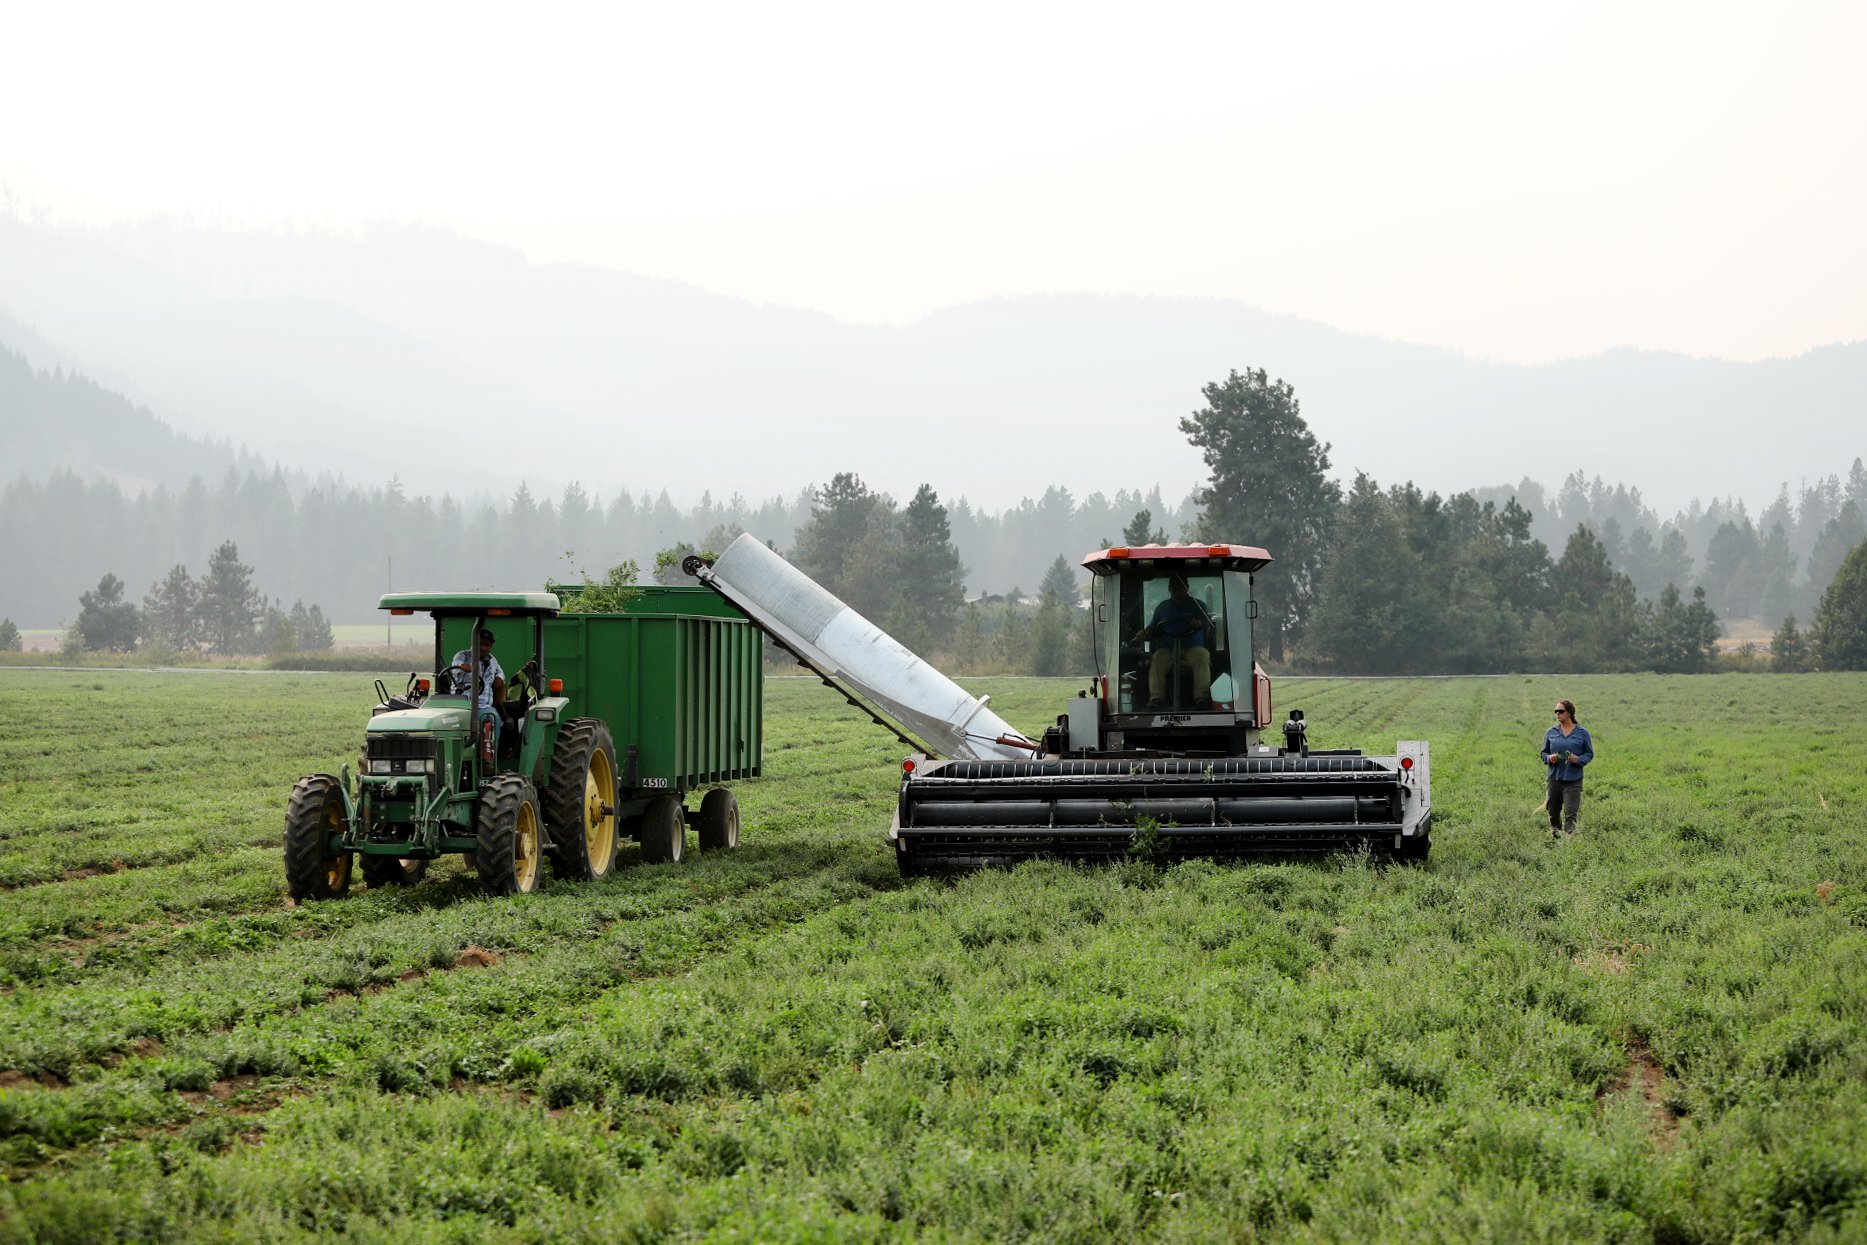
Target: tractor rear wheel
580, 804
313, 869
664, 830
719, 821
509, 836
381, 871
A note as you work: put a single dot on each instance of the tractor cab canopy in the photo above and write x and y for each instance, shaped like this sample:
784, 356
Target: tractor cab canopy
516, 620
471, 604
1185, 651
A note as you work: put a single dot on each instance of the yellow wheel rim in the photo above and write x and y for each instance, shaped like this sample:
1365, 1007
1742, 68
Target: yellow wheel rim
336, 868
599, 813
525, 849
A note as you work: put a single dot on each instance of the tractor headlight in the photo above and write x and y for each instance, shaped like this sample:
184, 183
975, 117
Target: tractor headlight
380, 767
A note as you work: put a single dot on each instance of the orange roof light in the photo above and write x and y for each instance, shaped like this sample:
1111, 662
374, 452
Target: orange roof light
1119, 552
401, 613
499, 613
1219, 551
556, 687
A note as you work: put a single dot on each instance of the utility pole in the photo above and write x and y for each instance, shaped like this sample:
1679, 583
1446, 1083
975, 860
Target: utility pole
388, 624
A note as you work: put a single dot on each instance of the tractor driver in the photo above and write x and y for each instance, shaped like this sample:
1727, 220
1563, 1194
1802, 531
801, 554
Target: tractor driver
1183, 624
492, 681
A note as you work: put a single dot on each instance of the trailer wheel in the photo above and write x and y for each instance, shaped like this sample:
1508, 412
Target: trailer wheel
507, 836
393, 871
580, 803
314, 813
664, 830
719, 821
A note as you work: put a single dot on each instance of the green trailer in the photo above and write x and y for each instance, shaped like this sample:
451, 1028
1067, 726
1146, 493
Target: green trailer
609, 723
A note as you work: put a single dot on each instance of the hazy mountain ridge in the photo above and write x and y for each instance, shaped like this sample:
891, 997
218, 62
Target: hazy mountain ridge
51, 420
416, 352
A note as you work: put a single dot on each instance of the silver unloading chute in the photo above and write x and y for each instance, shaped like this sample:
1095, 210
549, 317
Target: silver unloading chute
865, 663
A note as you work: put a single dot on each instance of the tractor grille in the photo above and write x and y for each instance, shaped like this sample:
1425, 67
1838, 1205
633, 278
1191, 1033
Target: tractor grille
399, 750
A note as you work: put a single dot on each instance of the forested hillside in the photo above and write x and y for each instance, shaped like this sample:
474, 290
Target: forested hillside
111, 507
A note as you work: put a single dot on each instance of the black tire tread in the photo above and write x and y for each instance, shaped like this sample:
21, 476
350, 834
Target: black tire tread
304, 838
577, 744
663, 830
496, 846
716, 831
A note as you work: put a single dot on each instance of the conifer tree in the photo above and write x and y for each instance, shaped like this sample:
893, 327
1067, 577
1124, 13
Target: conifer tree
1268, 487
229, 604
1841, 618
172, 611
930, 579
105, 620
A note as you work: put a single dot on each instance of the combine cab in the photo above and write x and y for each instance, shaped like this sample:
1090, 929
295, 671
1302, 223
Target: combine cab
1164, 754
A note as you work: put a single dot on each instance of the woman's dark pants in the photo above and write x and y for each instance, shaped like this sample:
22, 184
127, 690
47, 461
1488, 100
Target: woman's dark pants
1565, 800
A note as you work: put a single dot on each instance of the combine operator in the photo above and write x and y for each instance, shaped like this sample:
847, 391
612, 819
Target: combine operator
1181, 624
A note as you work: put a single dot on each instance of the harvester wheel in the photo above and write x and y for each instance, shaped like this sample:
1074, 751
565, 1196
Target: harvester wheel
664, 830
315, 812
393, 871
580, 803
719, 821
510, 838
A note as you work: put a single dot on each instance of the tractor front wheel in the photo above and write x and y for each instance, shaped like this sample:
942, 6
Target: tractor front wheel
580, 803
314, 867
381, 871
664, 830
719, 821
508, 838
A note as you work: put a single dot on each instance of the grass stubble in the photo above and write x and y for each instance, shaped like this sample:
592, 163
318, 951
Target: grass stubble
1650, 1032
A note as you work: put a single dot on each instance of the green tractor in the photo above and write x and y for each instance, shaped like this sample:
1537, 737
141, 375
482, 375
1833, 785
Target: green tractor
546, 785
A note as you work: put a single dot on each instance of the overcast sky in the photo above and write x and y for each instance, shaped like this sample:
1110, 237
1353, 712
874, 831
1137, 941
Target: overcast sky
1516, 182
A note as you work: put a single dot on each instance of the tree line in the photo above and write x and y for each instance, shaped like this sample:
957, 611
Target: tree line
220, 613
1396, 580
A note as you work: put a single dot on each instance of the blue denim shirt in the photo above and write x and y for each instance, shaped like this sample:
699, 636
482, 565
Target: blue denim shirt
463, 679
1555, 743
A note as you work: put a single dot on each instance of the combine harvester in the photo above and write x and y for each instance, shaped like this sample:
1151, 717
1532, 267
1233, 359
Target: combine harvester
1159, 754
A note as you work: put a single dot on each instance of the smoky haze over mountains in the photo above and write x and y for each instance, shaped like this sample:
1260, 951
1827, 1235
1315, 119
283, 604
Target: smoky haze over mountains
463, 367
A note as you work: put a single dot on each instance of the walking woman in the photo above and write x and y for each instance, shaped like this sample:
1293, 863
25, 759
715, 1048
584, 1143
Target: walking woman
1566, 749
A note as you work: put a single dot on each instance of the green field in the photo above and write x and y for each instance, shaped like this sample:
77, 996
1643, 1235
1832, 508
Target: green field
1656, 1031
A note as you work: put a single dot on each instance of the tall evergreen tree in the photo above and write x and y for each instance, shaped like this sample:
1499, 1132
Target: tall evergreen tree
310, 632
1840, 630
1789, 649
1374, 606
1141, 530
172, 611
10, 640
1597, 621
842, 513
1268, 487
1053, 638
1682, 638
931, 580
230, 605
